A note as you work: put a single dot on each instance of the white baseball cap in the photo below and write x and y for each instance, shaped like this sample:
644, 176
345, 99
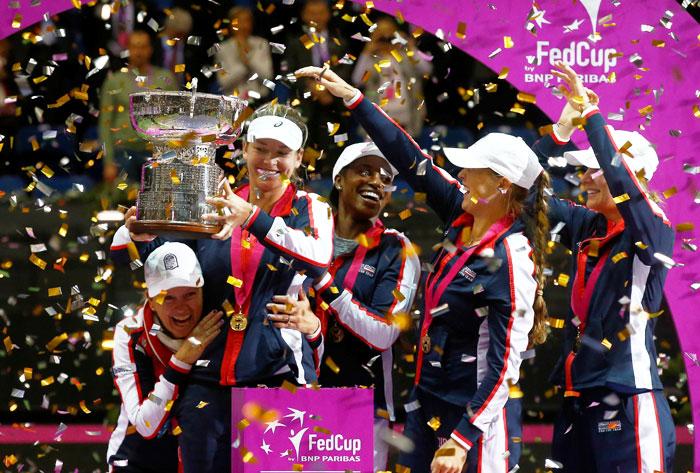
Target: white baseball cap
644, 157
276, 128
508, 156
356, 151
172, 265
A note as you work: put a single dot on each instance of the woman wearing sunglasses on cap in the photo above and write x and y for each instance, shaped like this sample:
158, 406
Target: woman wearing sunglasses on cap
483, 297
273, 237
615, 415
371, 282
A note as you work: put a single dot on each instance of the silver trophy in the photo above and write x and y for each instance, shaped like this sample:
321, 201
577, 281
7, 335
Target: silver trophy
185, 129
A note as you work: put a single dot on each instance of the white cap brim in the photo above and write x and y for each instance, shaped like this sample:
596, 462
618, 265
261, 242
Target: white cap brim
584, 157
356, 151
170, 283
461, 157
276, 128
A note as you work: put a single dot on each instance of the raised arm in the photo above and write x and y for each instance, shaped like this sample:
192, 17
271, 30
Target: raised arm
645, 220
417, 168
371, 321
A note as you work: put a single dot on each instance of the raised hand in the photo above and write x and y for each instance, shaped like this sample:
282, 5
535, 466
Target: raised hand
573, 88
200, 337
329, 80
235, 211
286, 312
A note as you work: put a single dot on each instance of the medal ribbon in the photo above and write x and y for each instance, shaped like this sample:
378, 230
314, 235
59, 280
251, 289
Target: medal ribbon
582, 291
244, 267
433, 293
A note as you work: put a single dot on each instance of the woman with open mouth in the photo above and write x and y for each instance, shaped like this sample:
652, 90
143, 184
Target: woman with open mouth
483, 297
273, 237
615, 416
369, 290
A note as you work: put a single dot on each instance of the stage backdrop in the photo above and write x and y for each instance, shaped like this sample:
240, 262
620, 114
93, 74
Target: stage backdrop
640, 57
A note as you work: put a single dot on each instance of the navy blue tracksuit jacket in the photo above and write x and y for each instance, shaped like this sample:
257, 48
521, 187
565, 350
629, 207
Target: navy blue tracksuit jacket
298, 239
479, 326
376, 281
616, 348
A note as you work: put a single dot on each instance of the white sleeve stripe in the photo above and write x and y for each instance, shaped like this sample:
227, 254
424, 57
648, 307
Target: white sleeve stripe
315, 248
147, 413
121, 238
408, 278
522, 289
372, 329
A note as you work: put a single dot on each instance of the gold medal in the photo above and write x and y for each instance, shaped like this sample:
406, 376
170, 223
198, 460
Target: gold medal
238, 322
425, 344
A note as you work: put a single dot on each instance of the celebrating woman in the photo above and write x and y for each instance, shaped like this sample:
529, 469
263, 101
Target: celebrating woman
484, 293
271, 232
615, 415
376, 272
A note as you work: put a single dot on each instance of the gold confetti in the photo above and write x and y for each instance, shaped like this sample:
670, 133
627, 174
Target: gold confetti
244, 423
555, 323
696, 111
670, 192
202, 404
37, 261
47, 171
179, 68
644, 111
641, 245
177, 430
508, 42
297, 467
84, 407
445, 452
525, 97
504, 73
606, 343
491, 87
620, 256
461, 30
621, 198
563, 280
47, 381
7, 341
657, 43
398, 295
331, 364
404, 214
514, 392
56, 341
289, 386
685, 227
623, 335
174, 177
17, 21
235, 282
306, 41
248, 456
54, 291
322, 430
434, 423
63, 231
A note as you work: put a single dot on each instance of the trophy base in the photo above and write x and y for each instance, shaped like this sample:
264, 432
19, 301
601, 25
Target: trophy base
182, 230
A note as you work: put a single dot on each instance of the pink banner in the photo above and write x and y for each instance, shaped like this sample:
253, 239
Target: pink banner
642, 60
323, 430
18, 15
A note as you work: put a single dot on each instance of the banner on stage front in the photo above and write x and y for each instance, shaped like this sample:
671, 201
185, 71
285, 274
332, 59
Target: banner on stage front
323, 430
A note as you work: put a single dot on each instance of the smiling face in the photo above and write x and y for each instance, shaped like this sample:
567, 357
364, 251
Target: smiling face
484, 186
180, 310
598, 196
364, 187
268, 162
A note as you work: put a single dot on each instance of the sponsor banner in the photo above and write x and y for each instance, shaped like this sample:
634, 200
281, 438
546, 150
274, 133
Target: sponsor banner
323, 430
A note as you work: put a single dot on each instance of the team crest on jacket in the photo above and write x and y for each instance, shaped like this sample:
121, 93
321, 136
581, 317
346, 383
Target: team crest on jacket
170, 261
466, 272
368, 270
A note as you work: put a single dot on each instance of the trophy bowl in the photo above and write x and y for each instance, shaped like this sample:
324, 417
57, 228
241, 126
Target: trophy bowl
185, 129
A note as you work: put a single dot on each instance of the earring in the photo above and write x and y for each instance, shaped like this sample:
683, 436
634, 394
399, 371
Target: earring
339, 187
502, 190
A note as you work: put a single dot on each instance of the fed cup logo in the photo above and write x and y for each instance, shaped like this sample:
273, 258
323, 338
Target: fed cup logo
290, 439
596, 63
